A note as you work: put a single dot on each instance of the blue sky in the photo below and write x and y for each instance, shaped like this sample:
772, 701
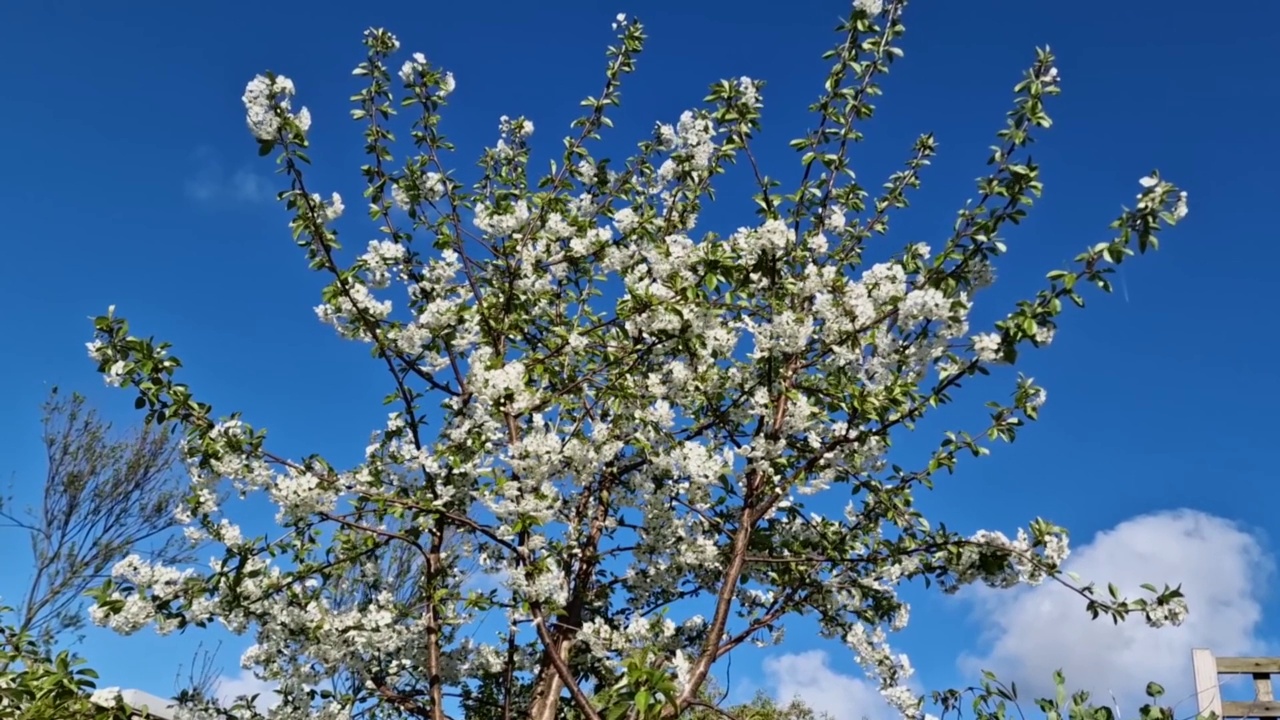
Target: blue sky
132, 180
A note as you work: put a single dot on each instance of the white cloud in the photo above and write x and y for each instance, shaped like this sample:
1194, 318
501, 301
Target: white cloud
1222, 569
249, 187
482, 581
809, 676
210, 183
245, 684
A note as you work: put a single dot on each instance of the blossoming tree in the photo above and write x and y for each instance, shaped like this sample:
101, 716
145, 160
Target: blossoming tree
630, 424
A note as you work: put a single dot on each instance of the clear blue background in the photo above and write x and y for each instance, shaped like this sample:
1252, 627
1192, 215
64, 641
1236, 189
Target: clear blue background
128, 177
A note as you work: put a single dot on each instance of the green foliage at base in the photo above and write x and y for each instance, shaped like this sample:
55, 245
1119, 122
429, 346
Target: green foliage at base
36, 684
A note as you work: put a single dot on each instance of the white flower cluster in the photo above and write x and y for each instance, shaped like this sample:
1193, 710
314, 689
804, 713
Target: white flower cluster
114, 376
691, 142
1153, 182
267, 103
412, 70
417, 187
499, 223
347, 312
380, 259
891, 671
1171, 613
161, 584
521, 128
411, 67
1024, 565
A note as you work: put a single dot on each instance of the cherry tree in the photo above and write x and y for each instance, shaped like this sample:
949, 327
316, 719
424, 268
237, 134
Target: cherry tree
634, 427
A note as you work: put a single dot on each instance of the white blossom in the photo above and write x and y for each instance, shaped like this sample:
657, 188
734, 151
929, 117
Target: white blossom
987, 346
267, 102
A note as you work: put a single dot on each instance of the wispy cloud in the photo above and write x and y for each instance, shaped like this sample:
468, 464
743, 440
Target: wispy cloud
229, 689
484, 581
209, 182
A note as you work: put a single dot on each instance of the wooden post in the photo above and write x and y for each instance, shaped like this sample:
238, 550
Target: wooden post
1207, 670
1205, 667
